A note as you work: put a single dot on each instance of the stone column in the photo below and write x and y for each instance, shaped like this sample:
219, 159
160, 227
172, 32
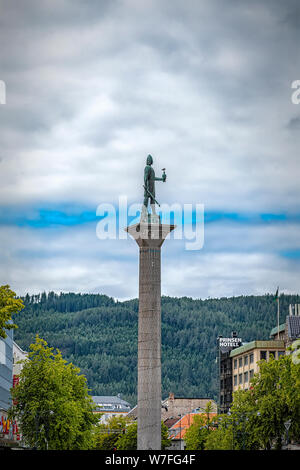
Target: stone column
150, 238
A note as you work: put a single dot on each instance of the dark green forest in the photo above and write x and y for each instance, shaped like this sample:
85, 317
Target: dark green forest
99, 335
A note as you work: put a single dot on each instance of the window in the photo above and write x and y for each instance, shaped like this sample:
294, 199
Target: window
235, 363
245, 360
251, 358
263, 355
251, 373
240, 362
235, 380
2, 352
246, 377
240, 378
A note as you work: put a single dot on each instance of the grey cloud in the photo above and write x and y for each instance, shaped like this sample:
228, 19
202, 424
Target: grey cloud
93, 87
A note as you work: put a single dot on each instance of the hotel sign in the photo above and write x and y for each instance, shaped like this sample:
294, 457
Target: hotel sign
227, 344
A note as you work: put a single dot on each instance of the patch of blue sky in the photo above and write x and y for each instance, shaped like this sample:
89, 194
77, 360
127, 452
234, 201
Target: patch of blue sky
292, 254
79, 215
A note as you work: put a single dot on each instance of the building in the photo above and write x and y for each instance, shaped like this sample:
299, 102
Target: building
178, 429
10, 354
290, 330
245, 360
173, 407
109, 406
6, 382
6, 370
18, 355
225, 346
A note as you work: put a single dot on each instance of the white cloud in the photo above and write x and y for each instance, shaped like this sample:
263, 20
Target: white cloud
92, 89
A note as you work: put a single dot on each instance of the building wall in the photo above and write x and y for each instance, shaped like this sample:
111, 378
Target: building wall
18, 355
245, 365
180, 406
6, 370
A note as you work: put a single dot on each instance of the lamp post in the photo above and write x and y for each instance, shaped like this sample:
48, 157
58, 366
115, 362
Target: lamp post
45, 425
287, 425
180, 416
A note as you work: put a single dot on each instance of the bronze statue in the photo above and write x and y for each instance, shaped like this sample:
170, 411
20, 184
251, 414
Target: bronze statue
149, 186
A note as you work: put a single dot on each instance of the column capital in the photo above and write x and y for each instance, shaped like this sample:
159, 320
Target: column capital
150, 235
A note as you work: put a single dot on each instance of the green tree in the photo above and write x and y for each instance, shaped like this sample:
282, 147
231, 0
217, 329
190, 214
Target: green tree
52, 402
8, 306
106, 434
128, 440
221, 436
276, 396
257, 416
196, 435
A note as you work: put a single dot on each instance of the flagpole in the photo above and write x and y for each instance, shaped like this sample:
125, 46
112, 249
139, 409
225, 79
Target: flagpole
278, 317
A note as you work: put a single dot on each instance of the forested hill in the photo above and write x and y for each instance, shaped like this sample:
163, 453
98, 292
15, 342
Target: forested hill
99, 335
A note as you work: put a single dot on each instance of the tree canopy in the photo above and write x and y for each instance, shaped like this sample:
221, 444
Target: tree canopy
52, 403
9, 305
257, 416
99, 335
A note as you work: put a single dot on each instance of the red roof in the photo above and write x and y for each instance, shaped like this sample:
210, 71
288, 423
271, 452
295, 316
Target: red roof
178, 430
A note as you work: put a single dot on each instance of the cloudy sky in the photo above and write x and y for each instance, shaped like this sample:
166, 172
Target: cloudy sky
93, 86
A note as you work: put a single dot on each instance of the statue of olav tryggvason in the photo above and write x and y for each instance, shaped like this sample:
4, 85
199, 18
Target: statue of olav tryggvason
149, 191
149, 235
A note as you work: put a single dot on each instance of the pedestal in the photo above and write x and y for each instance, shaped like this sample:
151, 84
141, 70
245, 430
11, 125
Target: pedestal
150, 237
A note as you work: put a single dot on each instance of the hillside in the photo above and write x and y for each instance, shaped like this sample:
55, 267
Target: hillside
99, 335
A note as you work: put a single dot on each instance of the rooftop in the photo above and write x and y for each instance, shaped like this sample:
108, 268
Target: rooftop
110, 403
274, 330
272, 344
179, 428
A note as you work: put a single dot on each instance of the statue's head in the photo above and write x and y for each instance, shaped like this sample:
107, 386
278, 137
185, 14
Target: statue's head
149, 160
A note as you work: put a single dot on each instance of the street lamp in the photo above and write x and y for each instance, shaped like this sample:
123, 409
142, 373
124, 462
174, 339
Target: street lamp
180, 416
287, 425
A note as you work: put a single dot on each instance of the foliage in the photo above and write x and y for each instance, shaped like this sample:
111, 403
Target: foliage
199, 431
99, 335
221, 436
128, 440
276, 395
257, 416
107, 434
51, 402
8, 306
120, 433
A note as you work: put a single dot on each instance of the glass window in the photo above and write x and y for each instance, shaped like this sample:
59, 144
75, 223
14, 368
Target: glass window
235, 363
263, 355
251, 373
240, 362
240, 378
235, 379
246, 377
251, 358
245, 360
2, 352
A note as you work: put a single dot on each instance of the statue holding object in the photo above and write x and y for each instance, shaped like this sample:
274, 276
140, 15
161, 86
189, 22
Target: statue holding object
149, 188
